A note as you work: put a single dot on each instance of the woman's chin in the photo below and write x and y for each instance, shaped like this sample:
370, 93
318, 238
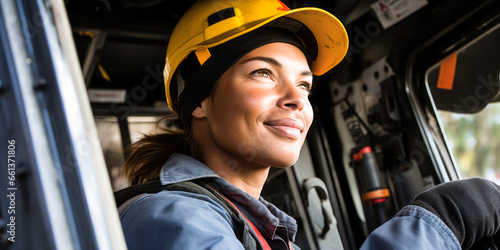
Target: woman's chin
286, 162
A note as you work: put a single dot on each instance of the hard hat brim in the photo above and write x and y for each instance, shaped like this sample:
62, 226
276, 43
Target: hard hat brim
329, 32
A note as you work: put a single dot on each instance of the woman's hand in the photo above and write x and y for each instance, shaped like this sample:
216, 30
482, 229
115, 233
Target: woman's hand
470, 208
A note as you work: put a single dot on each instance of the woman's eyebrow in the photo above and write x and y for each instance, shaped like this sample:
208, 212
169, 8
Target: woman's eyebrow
265, 59
306, 73
273, 62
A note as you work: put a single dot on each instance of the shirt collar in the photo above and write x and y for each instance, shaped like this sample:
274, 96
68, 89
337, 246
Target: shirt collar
179, 168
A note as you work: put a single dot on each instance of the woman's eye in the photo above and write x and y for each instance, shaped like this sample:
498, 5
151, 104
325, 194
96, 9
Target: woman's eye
262, 72
306, 86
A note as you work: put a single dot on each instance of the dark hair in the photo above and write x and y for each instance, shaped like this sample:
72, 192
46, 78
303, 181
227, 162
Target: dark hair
148, 155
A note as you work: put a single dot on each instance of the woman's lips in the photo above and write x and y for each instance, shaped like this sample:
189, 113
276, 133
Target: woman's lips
287, 127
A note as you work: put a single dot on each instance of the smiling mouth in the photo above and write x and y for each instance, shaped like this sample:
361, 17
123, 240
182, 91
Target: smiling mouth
290, 128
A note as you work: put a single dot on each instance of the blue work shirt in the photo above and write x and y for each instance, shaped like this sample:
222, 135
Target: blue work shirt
184, 220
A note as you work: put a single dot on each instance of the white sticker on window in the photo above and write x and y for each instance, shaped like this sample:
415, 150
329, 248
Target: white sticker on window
390, 12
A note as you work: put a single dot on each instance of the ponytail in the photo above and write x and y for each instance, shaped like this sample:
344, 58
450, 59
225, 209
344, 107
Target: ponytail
148, 155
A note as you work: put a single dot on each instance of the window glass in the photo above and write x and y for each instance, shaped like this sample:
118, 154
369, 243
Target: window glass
141, 125
109, 134
111, 143
474, 140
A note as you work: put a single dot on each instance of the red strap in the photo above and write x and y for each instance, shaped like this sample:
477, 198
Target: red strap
261, 238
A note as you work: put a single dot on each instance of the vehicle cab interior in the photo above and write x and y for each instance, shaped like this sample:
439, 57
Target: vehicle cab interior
414, 103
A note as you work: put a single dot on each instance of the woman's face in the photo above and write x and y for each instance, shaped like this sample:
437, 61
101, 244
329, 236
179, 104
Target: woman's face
259, 111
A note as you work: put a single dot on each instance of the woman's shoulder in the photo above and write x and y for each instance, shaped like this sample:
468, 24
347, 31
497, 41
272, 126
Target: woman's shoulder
174, 202
182, 217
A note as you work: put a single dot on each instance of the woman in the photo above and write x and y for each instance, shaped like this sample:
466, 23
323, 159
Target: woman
238, 74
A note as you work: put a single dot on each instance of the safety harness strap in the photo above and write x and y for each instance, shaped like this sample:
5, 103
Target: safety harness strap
260, 237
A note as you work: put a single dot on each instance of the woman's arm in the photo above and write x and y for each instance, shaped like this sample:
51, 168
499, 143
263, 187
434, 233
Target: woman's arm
452, 215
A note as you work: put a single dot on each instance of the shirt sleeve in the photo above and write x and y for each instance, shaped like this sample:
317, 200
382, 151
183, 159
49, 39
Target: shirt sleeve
178, 220
412, 228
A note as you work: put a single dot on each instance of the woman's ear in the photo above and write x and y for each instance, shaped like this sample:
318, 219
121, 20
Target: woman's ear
200, 111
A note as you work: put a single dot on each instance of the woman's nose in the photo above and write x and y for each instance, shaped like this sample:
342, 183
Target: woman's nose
293, 98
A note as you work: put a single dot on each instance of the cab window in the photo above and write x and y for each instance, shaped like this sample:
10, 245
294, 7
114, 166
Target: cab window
466, 92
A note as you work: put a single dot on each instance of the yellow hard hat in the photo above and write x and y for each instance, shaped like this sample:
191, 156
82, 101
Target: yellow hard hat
209, 23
